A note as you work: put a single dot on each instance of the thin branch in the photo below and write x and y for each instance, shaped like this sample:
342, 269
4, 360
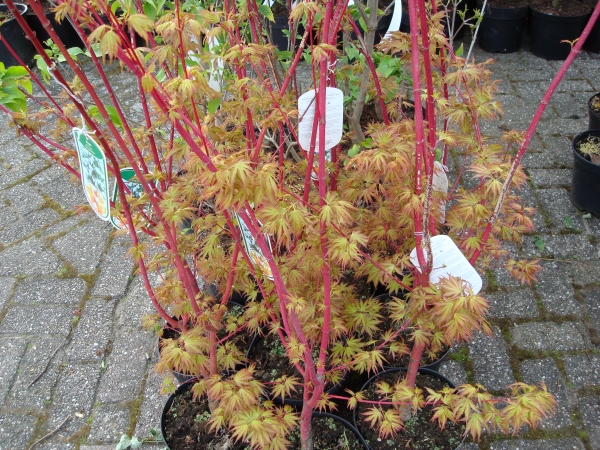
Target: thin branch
48, 362
52, 432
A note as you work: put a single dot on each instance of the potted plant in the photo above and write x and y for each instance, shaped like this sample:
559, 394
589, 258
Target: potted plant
15, 49
586, 171
555, 25
242, 159
502, 25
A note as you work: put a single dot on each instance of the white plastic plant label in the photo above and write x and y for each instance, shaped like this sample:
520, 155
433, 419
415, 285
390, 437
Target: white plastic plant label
439, 183
135, 188
254, 252
94, 173
334, 118
396, 19
448, 260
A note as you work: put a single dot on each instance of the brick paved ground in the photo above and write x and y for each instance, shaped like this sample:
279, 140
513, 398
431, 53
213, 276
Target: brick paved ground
65, 287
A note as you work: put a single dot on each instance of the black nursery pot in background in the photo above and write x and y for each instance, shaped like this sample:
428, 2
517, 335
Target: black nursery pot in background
501, 29
594, 114
15, 37
65, 31
585, 184
549, 34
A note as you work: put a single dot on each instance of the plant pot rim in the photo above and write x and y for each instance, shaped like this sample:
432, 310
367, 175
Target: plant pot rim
188, 385
579, 137
22, 7
593, 111
422, 370
556, 17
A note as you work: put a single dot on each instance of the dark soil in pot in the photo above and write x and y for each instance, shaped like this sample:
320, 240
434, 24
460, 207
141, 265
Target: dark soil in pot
419, 433
329, 433
185, 424
184, 427
566, 8
268, 354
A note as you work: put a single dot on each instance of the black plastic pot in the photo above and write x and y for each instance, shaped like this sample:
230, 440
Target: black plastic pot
280, 40
65, 30
375, 377
405, 23
594, 115
585, 184
592, 43
187, 386
501, 29
548, 33
15, 37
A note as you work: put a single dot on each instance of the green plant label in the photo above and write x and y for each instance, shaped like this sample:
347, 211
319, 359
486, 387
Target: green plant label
448, 260
94, 173
135, 188
254, 252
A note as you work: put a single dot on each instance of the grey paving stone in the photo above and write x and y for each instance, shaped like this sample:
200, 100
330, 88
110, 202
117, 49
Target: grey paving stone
39, 394
589, 407
490, 361
562, 246
54, 172
115, 269
67, 194
151, 407
583, 370
132, 308
55, 446
25, 170
545, 370
14, 154
513, 304
585, 273
27, 225
542, 444
545, 178
560, 210
29, 257
537, 336
125, 366
43, 319
6, 286
93, 331
558, 150
566, 107
16, 430
50, 290
66, 225
555, 289
74, 393
454, 371
11, 350
23, 198
83, 246
591, 298
7, 215
109, 422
